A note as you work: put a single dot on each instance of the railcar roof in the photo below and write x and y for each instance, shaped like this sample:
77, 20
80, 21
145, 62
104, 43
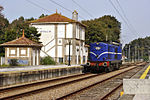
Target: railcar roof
118, 44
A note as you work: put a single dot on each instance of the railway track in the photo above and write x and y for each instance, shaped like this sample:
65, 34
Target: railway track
18, 90
75, 83
106, 90
120, 85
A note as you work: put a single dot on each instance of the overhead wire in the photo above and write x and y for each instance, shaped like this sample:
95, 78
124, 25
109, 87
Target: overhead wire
82, 8
125, 16
38, 6
64, 7
122, 17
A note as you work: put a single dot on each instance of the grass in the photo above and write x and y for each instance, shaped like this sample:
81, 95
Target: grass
4, 65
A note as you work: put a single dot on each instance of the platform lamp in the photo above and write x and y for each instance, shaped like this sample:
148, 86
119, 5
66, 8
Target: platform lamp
69, 53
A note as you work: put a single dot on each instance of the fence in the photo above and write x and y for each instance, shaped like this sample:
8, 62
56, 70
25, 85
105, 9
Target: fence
2, 60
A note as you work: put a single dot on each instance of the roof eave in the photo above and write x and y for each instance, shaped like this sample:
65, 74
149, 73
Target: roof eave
14, 45
37, 23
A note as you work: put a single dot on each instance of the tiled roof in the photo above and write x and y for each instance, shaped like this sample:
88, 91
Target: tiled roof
22, 41
54, 18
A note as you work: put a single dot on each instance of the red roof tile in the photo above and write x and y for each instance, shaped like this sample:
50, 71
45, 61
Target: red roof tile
54, 18
22, 41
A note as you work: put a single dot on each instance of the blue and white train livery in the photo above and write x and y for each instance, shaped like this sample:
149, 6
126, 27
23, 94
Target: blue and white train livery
104, 56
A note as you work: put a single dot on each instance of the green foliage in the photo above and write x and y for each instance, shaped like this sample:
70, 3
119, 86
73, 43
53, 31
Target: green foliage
30, 19
102, 28
9, 32
13, 62
4, 65
42, 16
139, 48
47, 61
3, 24
18, 25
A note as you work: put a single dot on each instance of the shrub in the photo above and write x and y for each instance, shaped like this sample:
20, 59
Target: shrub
13, 62
47, 61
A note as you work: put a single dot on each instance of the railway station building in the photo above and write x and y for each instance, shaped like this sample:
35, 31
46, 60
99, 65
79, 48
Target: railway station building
58, 33
25, 51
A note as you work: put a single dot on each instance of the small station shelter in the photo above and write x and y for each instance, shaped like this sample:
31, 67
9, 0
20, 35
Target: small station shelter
26, 52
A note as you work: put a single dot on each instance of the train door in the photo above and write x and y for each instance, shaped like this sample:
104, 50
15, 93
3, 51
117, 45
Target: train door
116, 53
109, 50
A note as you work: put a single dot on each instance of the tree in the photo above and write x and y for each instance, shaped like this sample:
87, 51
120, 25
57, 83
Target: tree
1, 8
42, 16
9, 32
3, 24
139, 48
21, 24
105, 28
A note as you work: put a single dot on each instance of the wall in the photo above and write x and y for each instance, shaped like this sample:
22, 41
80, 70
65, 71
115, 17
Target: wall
24, 55
20, 53
10, 78
2, 60
55, 37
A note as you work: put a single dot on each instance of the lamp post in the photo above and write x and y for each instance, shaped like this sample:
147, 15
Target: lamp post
69, 54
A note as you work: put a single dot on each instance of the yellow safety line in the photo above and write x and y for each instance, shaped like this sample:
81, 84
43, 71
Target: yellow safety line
145, 73
142, 77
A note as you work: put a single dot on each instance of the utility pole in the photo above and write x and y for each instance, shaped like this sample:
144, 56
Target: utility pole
138, 53
106, 37
126, 53
129, 54
142, 54
149, 53
135, 55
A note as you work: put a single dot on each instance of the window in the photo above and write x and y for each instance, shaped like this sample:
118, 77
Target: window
79, 59
60, 60
83, 59
12, 51
22, 51
59, 41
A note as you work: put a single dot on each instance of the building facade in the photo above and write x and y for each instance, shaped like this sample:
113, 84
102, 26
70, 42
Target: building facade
56, 33
26, 52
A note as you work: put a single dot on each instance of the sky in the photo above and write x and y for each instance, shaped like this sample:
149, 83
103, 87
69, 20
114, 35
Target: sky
135, 17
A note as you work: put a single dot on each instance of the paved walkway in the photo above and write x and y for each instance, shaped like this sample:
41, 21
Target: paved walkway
30, 68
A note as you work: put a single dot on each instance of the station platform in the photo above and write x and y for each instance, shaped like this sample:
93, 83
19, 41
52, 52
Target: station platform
33, 68
138, 87
25, 74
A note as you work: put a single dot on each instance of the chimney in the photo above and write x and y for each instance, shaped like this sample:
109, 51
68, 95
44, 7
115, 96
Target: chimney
75, 15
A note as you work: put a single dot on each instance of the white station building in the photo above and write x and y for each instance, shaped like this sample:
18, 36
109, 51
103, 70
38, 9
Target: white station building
56, 33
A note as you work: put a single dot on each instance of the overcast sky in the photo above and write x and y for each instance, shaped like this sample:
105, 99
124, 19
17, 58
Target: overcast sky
137, 12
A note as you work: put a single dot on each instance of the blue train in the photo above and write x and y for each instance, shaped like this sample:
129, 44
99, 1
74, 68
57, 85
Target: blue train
104, 57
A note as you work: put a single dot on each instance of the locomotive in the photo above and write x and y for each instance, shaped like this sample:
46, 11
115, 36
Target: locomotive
104, 57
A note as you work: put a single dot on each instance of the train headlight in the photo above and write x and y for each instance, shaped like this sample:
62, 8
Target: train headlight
97, 48
88, 63
105, 64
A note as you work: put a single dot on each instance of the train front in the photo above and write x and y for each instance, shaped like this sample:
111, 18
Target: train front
98, 57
